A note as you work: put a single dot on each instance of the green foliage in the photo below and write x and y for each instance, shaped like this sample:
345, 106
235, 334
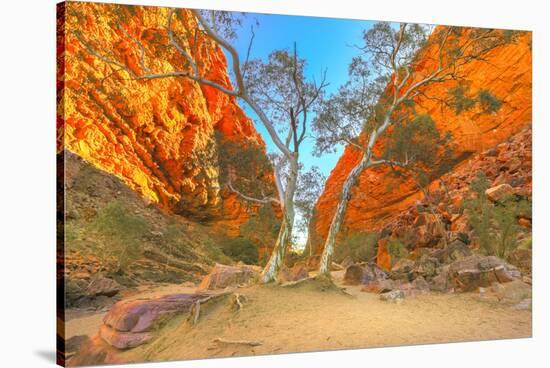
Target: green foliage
241, 249
489, 102
359, 246
245, 167
310, 187
461, 102
496, 225
419, 144
122, 233
263, 223
397, 250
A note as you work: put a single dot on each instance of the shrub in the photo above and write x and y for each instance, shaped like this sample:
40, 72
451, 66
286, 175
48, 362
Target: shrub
122, 233
397, 250
241, 249
496, 225
359, 246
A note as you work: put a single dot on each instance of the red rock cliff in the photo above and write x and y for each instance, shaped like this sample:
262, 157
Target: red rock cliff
156, 135
376, 199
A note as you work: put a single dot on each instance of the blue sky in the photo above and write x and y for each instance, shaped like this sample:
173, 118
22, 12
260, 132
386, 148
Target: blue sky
325, 43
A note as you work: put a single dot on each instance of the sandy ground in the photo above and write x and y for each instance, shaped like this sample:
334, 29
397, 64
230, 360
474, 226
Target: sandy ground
305, 318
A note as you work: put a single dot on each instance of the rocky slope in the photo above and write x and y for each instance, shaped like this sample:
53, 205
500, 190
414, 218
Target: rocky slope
157, 136
114, 239
377, 199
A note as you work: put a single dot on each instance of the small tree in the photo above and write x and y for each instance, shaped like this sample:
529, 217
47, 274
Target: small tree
276, 90
496, 225
428, 155
382, 90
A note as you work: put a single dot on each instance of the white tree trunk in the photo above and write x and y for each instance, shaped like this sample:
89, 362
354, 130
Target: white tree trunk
272, 267
338, 218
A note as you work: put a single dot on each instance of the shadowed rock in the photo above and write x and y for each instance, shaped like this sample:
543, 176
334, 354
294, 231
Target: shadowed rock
223, 276
363, 273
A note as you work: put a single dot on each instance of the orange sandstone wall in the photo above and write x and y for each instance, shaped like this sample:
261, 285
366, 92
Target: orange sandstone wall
376, 198
156, 135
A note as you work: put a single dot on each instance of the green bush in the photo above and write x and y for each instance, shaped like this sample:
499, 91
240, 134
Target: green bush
359, 246
241, 249
496, 225
121, 232
397, 250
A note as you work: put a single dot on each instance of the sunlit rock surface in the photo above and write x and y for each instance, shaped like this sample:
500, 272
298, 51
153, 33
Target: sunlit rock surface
157, 135
376, 199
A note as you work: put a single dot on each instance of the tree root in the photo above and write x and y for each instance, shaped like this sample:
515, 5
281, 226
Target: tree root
239, 299
237, 342
195, 312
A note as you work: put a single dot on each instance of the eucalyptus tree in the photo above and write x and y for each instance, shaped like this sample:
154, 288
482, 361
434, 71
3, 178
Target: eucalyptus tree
384, 85
277, 90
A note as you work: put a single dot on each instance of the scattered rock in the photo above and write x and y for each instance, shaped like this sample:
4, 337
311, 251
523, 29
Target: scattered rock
363, 273
440, 282
420, 284
455, 251
499, 192
393, 296
427, 267
223, 276
103, 286
379, 286
477, 271
525, 304
295, 273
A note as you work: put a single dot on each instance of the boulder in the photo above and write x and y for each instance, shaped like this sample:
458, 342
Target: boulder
499, 192
103, 286
455, 251
123, 340
440, 282
515, 292
363, 273
521, 258
477, 271
393, 296
427, 267
223, 276
142, 315
294, 273
404, 265
421, 285
379, 286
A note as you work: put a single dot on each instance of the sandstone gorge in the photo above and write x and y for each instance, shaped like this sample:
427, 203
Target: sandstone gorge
377, 200
157, 136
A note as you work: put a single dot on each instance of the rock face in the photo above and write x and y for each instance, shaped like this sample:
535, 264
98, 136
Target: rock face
158, 136
507, 74
223, 276
130, 323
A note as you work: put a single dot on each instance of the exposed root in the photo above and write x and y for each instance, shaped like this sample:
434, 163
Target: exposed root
195, 312
239, 299
237, 342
